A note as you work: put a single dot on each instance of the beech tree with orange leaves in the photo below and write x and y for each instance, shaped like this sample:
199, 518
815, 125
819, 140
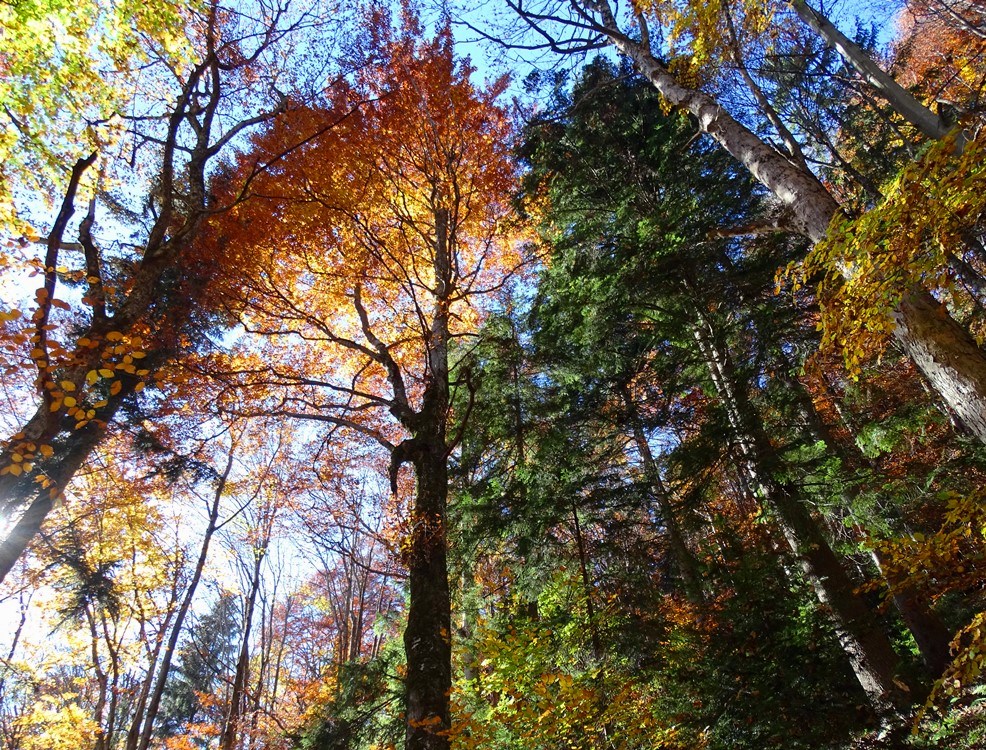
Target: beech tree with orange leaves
362, 260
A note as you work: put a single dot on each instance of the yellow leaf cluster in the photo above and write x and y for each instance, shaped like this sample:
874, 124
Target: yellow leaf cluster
868, 263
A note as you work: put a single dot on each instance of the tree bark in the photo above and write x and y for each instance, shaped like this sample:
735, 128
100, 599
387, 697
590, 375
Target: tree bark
140, 739
929, 632
948, 357
870, 653
428, 636
687, 566
69, 455
902, 101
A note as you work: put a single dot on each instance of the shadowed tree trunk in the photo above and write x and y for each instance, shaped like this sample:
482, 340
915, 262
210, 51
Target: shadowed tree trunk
868, 648
687, 565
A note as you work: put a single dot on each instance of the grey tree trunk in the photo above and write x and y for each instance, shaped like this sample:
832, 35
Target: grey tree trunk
946, 354
929, 632
870, 653
902, 101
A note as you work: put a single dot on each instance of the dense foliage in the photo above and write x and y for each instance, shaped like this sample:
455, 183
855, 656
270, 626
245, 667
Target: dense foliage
359, 409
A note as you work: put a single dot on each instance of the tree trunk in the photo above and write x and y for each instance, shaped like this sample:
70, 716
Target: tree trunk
943, 350
929, 632
142, 739
590, 609
896, 95
70, 453
687, 566
946, 354
238, 694
428, 637
870, 653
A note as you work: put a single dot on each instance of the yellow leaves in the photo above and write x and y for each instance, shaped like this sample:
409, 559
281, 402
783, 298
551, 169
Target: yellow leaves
867, 264
10, 315
57, 723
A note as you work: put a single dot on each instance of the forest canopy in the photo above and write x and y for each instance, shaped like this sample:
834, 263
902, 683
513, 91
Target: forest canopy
539, 375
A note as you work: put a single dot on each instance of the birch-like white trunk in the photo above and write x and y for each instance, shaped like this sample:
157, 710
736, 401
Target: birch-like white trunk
950, 359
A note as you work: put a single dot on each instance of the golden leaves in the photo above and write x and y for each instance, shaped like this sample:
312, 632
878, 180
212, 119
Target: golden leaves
408, 141
869, 263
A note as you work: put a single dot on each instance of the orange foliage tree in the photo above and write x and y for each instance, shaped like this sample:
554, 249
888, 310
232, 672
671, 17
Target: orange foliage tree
87, 356
362, 259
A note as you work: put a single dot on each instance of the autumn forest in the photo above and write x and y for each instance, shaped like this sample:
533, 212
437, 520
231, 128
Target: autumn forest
508, 375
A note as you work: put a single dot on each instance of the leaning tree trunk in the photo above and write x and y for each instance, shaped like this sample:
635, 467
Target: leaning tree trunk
929, 632
946, 354
902, 101
71, 450
52, 424
870, 653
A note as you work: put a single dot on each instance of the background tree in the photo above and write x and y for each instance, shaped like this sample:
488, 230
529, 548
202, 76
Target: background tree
112, 342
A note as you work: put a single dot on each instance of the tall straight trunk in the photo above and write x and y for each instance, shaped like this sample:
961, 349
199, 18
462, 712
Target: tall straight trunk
944, 351
140, 738
238, 693
902, 101
687, 566
870, 653
590, 609
428, 636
